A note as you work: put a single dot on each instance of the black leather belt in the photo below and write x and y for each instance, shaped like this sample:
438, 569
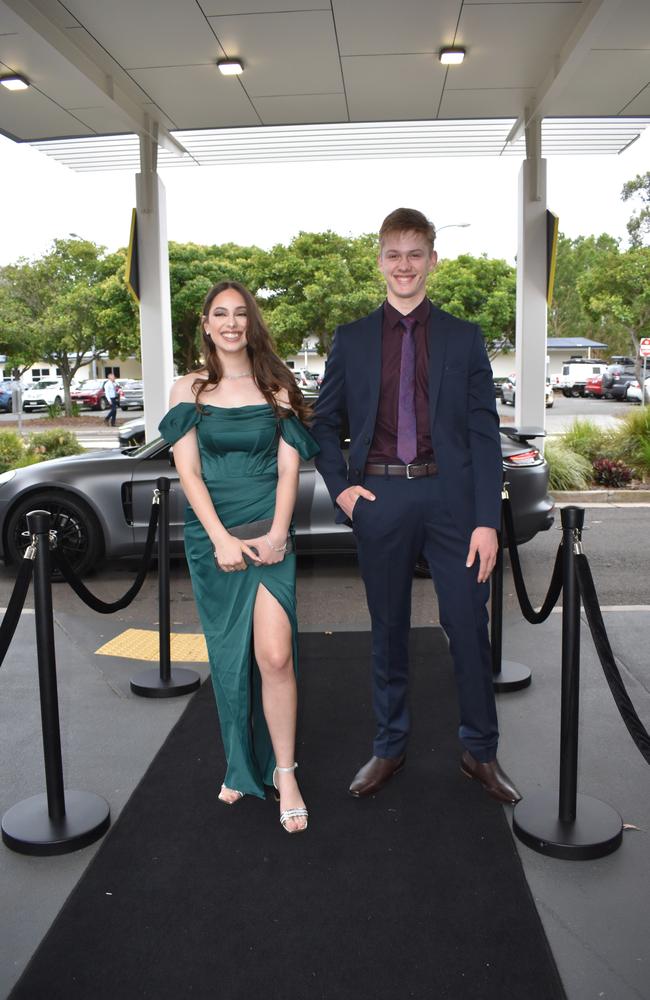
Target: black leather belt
409, 471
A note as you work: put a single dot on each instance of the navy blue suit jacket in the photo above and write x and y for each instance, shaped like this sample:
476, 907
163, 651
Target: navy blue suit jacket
462, 409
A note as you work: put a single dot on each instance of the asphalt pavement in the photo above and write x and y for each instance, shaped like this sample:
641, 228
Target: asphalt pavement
595, 912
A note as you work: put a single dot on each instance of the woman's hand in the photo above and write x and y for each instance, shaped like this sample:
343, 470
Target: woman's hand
229, 553
270, 549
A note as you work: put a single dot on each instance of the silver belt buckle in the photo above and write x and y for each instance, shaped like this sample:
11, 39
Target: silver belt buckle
408, 470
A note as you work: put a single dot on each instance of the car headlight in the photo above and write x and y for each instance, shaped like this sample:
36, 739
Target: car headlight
6, 477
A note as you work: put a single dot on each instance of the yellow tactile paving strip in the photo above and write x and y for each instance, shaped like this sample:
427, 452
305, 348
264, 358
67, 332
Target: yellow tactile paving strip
142, 644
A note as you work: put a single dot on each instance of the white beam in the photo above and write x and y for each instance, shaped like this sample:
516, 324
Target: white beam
595, 16
108, 78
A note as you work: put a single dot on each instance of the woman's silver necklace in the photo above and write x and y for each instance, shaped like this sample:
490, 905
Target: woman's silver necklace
243, 375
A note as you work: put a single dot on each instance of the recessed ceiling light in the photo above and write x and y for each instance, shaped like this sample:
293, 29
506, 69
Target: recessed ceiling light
451, 56
230, 67
14, 82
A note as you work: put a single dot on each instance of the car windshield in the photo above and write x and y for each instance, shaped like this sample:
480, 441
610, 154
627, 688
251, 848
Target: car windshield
90, 385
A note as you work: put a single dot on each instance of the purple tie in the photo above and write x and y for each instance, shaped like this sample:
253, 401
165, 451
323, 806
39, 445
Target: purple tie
407, 445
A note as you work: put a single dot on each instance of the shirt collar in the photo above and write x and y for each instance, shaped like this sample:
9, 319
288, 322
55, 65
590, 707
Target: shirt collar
420, 313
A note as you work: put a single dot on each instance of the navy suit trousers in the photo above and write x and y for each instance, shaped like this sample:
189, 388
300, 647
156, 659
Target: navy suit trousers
408, 518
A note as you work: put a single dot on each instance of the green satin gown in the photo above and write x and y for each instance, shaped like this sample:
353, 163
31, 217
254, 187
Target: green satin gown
238, 448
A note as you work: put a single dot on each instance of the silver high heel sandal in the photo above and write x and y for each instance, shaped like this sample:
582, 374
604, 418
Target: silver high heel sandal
291, 813
226, 802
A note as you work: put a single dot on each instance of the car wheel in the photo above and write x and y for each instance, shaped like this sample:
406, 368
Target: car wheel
575, 394
78, 532
567, 393
57, 401
103, 404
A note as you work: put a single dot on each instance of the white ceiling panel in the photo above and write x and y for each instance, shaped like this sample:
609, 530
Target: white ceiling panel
479, 103
198, 96
511, 45
393, 87
628, 28
593, 93
410, 26
27, 114
291, 53
641, 103
301, 109
214, 8
102, 120
140, 33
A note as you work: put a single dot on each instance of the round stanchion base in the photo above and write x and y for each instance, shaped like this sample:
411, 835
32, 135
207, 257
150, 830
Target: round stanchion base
149, 684
28, 829
596, 831
511, 677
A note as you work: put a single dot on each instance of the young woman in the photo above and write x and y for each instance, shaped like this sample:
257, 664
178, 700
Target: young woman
237, 429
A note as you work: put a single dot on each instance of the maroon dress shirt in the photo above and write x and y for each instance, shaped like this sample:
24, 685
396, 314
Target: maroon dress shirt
384, 443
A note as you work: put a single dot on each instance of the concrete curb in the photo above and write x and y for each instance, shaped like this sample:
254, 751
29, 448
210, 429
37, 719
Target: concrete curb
600, 496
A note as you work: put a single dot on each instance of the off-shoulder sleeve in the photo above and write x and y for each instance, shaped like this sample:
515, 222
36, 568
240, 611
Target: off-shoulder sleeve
178, 421
295, 434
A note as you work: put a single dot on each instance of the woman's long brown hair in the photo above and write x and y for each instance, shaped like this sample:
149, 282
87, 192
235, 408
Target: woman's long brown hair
269, 371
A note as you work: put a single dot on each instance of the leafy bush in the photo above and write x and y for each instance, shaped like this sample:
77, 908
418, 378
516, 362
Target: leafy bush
54, 411
11, 450
631, 441
52, 444
567, 469
587, 439
612, 472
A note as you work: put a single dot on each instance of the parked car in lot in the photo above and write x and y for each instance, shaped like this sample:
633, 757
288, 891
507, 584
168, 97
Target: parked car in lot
130, 395
42, 394
575, 372
306, 379
100, 502
509, 392
594, 386
6, 397
90, 394
616, 379
633, 394
498, 385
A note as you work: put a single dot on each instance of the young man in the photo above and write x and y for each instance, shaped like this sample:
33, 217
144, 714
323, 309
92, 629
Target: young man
424, 476
110, 391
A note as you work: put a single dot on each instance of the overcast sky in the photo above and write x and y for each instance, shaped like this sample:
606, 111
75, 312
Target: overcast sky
269, 203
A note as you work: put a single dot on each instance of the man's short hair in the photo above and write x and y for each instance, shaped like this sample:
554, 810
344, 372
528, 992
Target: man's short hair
404, 220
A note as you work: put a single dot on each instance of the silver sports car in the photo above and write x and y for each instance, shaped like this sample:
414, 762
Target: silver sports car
100, 502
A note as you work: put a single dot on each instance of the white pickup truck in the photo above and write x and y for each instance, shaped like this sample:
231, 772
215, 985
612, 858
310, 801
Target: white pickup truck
575, 373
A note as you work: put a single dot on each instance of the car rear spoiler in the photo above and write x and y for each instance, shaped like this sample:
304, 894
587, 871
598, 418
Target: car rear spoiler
522, 433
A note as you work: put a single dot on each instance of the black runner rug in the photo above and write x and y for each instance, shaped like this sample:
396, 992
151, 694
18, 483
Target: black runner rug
415, 893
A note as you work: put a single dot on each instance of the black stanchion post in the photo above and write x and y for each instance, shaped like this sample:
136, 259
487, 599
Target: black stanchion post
506, 674
165, 682
58, 821
579, 827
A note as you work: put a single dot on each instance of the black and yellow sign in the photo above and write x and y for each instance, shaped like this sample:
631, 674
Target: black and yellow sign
132, 262
552, 229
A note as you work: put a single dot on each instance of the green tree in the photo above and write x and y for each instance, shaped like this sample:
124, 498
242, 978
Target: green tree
479, 289
617, 288
68, 307
567, 316
315, 283
193, 270
639, 223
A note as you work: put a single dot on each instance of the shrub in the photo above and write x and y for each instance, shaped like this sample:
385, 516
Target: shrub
631, 442
52, 444
586, 439
54, 411
612, 472
567, 469
12, 450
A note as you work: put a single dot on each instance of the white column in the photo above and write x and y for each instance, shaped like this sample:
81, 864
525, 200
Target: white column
530, 343
155, 300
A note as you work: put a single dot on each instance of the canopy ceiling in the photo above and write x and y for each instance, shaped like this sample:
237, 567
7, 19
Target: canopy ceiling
363, 74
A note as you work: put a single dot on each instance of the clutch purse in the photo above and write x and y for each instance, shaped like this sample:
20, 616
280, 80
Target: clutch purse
256, 529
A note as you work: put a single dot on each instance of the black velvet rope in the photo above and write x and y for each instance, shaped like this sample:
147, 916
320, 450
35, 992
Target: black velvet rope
635, 727
103, 607
15, 606
555, 586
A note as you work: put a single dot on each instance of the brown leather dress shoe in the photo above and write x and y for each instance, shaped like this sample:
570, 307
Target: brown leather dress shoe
495, 781
375, 774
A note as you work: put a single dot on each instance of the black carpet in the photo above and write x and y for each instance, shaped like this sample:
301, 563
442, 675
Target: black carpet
416, 893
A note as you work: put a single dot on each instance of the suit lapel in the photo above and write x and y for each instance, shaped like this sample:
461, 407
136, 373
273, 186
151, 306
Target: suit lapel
372, 359
437, 343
